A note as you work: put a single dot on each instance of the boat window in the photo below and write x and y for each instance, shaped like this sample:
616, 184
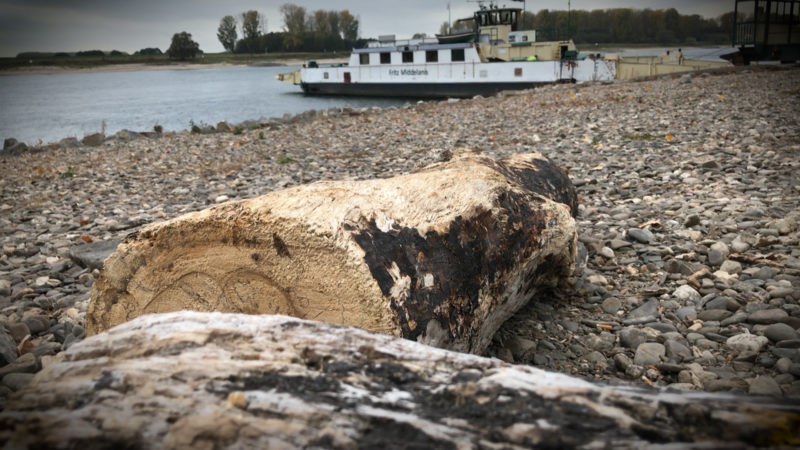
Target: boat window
325, 75
408, 57
518, 71
432, 56
363, 59
386, 58
457, 54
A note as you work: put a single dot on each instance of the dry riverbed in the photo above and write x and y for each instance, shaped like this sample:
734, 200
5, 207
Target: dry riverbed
689, 214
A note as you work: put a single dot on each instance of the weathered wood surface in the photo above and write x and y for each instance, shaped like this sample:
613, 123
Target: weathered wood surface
443, 256
210, 380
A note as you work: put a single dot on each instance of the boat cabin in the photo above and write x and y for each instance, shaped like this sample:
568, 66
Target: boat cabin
500, 37
414, 53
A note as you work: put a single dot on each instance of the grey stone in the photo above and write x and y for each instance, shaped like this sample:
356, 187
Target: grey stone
606, 252
794, 369
13, 147
8, 348
767, 316
611, 305
738, 317
764, 385
734, 384
765, 273
37, 324
720, 253
649, 353
17, 381
714, 314
647, 309
681, 267
617, 244
632, 337
678, 352
93, 255
26, 363
788, 343
782, 293
716, 257
726, 303
780, 332
731, 267
19, 330
94, 140
622, 362
747, 342
686, 313
691, 221
643, 236
686, 293
782, 365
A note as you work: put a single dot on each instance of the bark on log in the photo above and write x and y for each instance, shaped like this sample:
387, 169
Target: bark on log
211, 380
443, 256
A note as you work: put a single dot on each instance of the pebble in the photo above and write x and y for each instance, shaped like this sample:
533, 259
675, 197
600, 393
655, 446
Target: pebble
747, 342
611, 305
649, 353
767, 316
8, 348
641, 235
731, 267
661, 220
764, 385
780, 332
17, 381
686, 293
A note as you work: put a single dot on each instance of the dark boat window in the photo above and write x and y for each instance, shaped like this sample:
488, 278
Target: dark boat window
518, 71
386, 58
408, 57
432, 56
457, 55
363, 59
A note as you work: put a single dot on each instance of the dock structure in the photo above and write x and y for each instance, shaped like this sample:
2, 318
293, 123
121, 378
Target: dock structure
766, 30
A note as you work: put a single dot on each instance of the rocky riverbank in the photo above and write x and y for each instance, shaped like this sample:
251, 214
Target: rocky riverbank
689, 214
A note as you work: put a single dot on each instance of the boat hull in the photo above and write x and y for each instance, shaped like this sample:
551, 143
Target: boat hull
415, 90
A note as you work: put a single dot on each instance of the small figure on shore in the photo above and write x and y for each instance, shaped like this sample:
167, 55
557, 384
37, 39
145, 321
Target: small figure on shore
680, 56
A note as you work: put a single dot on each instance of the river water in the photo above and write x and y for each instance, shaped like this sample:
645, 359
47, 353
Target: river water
47, 108
50, 107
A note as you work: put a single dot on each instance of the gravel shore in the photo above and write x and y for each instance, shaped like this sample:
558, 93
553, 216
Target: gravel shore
689, 214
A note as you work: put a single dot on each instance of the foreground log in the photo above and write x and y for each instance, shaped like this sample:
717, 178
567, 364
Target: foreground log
211, 380
443, 256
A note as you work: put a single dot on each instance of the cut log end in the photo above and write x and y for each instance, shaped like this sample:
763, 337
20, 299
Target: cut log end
443, 256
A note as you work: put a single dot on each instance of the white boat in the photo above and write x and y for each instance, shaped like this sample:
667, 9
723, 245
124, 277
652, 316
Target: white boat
496, 56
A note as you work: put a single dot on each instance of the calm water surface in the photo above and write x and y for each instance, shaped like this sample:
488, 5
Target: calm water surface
50, 107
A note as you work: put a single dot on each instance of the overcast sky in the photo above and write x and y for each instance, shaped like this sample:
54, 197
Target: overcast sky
130, 25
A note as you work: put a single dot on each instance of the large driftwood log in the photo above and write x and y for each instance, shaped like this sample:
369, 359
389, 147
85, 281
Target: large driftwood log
443, 256
210, 380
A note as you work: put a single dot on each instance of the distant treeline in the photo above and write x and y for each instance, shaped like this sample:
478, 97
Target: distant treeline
326, 31
630, 26
304, 31
88, 53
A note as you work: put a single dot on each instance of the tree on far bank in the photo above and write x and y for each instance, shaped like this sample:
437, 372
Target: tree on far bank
183, 47
226, 33
253, 24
